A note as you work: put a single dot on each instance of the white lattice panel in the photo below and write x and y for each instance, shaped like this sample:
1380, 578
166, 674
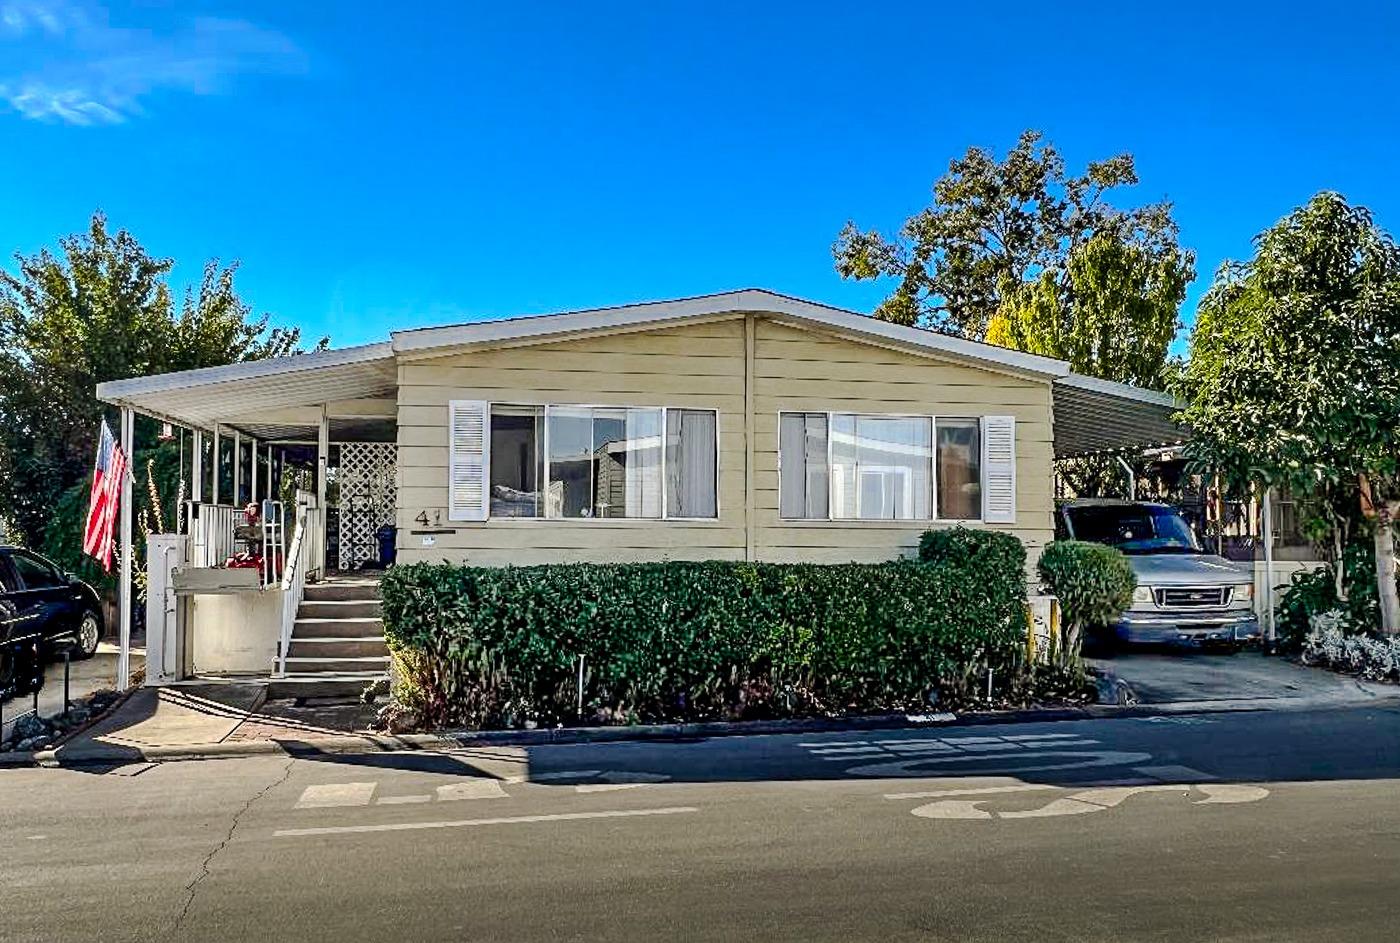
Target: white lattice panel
367, 498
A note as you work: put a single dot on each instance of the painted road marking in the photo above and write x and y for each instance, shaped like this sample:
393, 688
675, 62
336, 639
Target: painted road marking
402, 800
833, 751
1011, 762
975, 791
620, 779
474, 823
1173, 774
1227, 793
1084, 802
471, 789
335, 795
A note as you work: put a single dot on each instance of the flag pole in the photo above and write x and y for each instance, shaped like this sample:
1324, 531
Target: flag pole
124, 596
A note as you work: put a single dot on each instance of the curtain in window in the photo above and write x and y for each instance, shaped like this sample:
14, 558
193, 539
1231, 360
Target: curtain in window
802, 458
642, 463
691, 456
959, 469
881, 467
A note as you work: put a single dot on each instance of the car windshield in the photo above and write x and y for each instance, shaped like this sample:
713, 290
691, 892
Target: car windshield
1135, 528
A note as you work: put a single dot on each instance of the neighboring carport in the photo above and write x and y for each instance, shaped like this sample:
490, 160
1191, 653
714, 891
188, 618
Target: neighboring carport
1094, 417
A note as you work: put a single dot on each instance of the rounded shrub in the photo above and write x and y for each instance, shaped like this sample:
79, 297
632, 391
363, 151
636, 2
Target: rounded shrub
1093, 582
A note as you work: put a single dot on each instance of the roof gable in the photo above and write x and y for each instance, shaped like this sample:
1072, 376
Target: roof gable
434, 341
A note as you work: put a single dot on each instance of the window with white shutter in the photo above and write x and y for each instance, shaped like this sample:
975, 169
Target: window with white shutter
999, 469
467, 460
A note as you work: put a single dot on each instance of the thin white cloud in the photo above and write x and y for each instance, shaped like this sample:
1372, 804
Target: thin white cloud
64, 62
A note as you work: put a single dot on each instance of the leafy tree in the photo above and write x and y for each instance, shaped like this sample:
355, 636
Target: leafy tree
994, 226
100, 309
1295, 369
1111, 312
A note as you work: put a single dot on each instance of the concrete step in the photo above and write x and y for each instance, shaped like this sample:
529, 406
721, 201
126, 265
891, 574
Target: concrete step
348, 685
332, 647
337, 628
342, 590
357, 664
339, 609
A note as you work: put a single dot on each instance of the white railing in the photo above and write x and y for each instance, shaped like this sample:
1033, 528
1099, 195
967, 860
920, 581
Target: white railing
211, 532
299, 559
274, 542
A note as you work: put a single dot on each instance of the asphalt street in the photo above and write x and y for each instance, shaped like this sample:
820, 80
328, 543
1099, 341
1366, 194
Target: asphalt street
1246, 826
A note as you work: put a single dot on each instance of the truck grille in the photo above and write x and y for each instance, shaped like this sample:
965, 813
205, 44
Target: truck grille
1193, 597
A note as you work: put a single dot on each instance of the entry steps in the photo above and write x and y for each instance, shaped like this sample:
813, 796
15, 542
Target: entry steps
337, 645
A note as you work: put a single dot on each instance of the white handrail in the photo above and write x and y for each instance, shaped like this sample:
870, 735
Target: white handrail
294, 578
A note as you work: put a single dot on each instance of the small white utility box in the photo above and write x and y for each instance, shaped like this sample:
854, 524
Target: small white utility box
167, 648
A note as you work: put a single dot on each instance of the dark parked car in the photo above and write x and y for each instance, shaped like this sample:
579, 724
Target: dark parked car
41, 606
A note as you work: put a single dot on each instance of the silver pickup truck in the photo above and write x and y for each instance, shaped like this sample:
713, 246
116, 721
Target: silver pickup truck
1184, 596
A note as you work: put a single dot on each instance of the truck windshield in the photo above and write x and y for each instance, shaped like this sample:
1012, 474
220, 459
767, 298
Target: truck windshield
1134, 528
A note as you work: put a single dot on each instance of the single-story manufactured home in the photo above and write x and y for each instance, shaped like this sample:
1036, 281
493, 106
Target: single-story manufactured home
747, 425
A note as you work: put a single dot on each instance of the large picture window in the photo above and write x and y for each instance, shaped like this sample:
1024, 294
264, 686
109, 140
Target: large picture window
586, 462
881, 467
849, 466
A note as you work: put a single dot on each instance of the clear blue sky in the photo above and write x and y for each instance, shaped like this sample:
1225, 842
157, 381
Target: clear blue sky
376, 166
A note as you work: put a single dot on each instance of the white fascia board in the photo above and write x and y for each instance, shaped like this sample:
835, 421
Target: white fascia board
734, 302
116, 390
1120, 390
548, 325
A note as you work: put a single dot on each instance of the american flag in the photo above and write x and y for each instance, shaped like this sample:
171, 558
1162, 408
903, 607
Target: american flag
107, 478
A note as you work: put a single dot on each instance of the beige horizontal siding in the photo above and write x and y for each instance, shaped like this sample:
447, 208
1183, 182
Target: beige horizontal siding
788, 366
703, 366
699, 366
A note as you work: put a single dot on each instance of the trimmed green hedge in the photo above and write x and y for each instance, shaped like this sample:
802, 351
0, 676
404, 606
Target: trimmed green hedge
669, 641
992, 551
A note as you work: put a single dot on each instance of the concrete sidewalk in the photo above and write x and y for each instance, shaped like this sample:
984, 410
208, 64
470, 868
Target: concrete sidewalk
233, 719
204, 720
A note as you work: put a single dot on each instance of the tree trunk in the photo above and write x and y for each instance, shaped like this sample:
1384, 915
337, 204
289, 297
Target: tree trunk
1385, 570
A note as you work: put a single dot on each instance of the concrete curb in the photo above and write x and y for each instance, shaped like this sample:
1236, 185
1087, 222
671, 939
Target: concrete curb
385, 743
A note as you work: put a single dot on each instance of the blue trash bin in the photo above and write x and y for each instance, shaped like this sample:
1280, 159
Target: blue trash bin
386, 537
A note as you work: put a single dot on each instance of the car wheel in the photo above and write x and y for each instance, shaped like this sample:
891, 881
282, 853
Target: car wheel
89, 634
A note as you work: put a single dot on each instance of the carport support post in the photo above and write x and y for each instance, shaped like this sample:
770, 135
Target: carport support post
197, 468
323, 464
214, 491
1267, 531
124, 595
237, 469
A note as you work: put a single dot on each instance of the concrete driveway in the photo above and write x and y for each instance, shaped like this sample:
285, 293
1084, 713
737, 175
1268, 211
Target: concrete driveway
1203, 678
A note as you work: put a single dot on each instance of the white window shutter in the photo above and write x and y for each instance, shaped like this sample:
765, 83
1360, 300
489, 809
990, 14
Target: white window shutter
999, 469
467, 460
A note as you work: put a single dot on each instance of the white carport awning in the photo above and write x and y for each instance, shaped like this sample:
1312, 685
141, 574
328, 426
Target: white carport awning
1095, 416
266, 398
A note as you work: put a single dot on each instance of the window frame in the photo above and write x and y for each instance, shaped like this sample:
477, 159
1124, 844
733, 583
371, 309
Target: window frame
831, 518
666, 516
